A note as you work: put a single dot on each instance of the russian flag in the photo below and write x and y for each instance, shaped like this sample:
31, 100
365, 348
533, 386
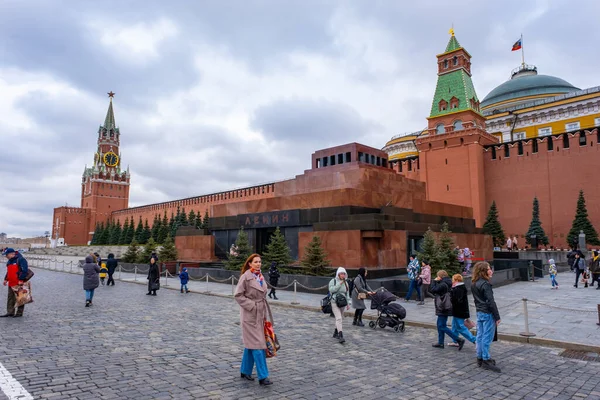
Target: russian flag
517, 45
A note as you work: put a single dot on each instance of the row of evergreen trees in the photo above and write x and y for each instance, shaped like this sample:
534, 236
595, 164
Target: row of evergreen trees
439, 252
112, 233
314, 261
581, 222
141, 255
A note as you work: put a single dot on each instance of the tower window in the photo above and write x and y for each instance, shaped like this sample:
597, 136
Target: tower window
440, 129
332, 160
458, 125
455, 60
340, 158
348, 157
446, 64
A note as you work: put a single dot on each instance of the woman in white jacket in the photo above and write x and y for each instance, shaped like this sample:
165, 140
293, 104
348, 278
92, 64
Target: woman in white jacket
340, 300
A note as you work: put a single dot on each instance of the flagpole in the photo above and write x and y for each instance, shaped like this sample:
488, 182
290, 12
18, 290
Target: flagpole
522, 51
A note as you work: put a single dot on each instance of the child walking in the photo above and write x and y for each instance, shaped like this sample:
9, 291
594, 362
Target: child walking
553, 272
184, 277
103, 273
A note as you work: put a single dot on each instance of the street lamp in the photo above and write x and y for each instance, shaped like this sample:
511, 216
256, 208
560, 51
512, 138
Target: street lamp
46, 235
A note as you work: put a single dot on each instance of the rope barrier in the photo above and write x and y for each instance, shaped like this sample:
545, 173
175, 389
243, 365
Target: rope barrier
561, 308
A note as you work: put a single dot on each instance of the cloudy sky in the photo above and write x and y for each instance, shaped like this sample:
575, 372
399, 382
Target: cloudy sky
214, 95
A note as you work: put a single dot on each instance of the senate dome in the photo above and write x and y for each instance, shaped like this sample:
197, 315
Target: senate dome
525, 86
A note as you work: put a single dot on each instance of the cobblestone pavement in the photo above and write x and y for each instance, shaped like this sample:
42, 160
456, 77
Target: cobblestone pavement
576, 307
177, 346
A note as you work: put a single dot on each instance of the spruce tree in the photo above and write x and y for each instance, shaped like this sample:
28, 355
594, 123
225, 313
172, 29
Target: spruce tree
155, 228
145, 254
315, 259
115, 234
146, 233
172, 225
535, 227
493, 228
192, 218
131, 255
168, 252
205, 220
139, 231
183, 218
123, 237
163, 232
446, 257
105, 234
582, 223
198, 220
429, 251
96, 236
277, 250
235, 262
130, 231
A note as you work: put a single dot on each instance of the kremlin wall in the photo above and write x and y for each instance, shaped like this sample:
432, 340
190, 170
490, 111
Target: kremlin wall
534, 135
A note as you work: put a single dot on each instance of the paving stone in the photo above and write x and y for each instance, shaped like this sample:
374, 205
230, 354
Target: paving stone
173, 346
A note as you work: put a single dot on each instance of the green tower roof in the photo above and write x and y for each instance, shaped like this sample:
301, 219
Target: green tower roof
456, 83
109, 121
452, 44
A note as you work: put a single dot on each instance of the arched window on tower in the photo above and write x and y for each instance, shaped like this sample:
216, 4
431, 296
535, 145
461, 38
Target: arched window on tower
440, 129
455, 60
443, 105
453, 103
446, 64
458, 126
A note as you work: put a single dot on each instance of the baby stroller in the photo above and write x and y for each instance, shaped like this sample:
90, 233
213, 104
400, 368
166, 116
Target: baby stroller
388, 313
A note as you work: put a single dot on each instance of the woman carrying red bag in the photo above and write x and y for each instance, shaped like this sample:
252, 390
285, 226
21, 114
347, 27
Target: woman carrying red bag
251, 294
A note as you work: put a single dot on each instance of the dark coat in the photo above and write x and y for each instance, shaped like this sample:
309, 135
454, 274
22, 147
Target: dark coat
111, 264
91, 279
440, 288
484, 298
571, 258
460, 302
153, 274
274, 275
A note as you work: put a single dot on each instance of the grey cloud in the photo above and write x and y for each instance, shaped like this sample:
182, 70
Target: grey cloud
310, 120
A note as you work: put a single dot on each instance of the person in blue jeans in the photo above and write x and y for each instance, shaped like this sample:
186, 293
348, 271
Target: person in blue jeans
413, 270
440, 287
91, 279
184, 278
460, 309
488, 317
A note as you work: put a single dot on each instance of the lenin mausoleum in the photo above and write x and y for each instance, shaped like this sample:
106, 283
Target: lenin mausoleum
532, 136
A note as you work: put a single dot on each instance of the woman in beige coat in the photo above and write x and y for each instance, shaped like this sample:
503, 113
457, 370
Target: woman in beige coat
251, 294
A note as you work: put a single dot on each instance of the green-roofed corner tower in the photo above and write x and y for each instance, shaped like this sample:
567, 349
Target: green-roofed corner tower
452, 147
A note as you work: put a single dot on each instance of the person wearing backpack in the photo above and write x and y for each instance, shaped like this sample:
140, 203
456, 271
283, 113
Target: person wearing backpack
340, 299
440, 287
360, 289
16, 274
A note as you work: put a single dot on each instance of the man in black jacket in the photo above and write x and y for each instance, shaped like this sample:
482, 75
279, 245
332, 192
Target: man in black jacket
111, 265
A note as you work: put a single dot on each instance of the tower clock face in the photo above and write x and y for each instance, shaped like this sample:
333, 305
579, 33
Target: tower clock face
111, 159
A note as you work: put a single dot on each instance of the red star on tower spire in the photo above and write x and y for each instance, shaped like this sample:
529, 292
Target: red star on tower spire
111, 94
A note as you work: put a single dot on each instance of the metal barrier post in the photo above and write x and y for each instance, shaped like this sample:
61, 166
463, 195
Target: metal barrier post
598, 311
166, 277
71, 267
295, 299
120, 268
526, 315
135, 273
232, 288
207, 283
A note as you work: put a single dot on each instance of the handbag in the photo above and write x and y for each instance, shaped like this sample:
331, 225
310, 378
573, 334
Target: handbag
271, 340
445, 303
469, 323
341, 300
419, 282
326, 304
362, 296
155, 285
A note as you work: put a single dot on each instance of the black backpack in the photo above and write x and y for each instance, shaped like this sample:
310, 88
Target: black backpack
351, 286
